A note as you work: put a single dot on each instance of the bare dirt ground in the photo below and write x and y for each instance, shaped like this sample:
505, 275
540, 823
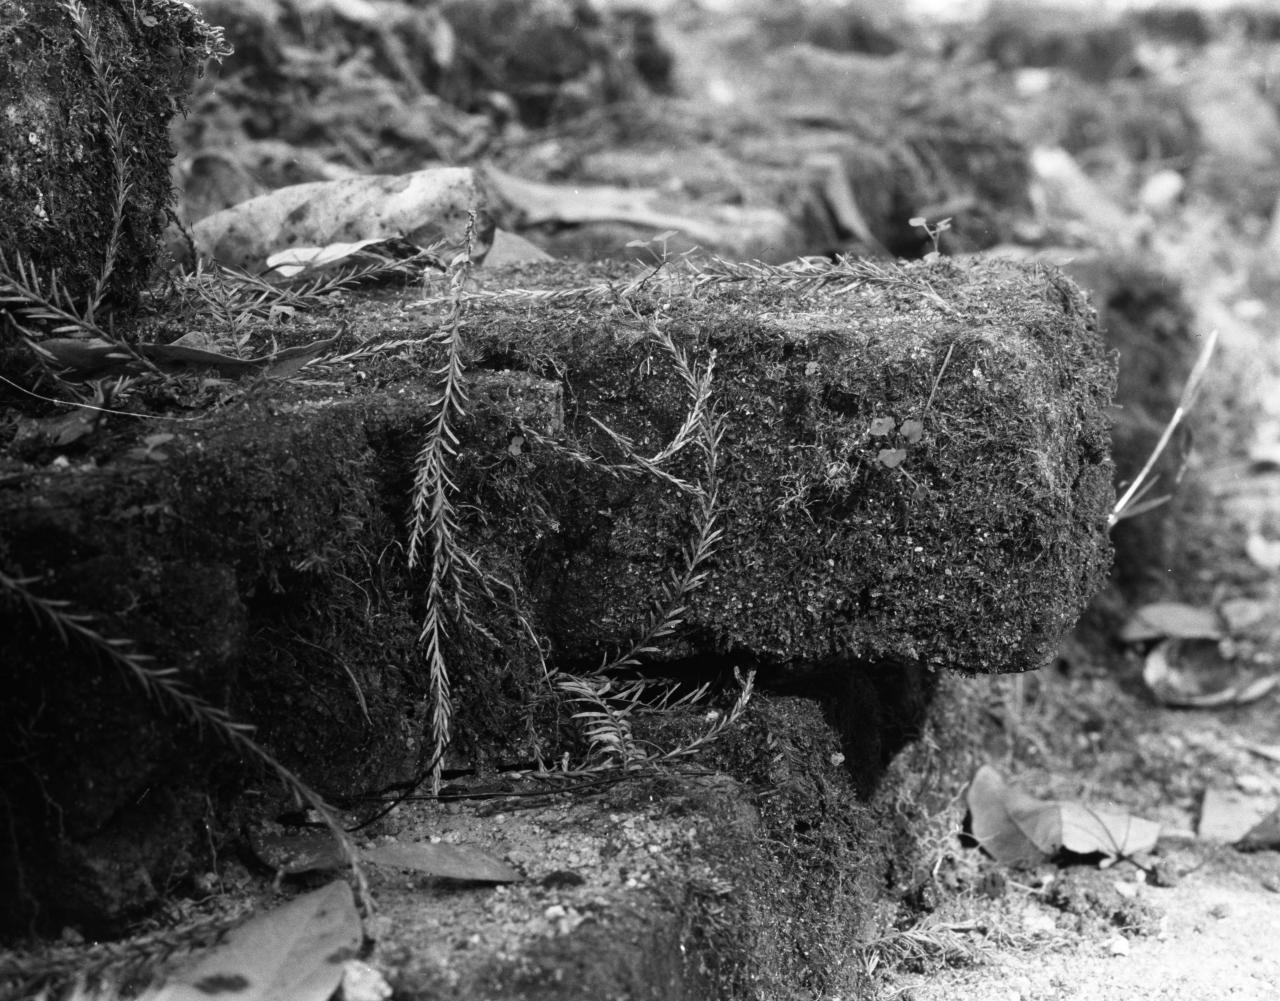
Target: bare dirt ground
1057, 934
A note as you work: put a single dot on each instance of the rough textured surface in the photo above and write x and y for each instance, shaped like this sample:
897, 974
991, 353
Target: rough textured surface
68, 83
1147, 320
749, 881
972, 554
257, 553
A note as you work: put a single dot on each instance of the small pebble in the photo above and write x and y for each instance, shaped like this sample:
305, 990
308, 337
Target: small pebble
361, 982
1161, 191
1118, 946
562, 878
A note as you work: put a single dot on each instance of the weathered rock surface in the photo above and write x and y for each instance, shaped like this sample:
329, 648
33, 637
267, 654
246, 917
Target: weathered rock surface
87, 91
259, 553
757, 880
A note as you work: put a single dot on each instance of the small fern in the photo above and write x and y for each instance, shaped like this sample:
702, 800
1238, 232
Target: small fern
607, 706
668, 608
106, 92
434, 523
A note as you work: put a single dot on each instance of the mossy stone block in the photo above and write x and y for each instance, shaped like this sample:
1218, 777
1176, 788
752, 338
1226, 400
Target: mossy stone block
914, 466
911, 473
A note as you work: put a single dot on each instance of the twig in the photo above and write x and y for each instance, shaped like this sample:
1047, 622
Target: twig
1124, 507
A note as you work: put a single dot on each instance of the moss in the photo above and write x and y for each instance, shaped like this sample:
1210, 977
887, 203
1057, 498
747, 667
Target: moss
261, 557
57, 191
771, 873
973, 554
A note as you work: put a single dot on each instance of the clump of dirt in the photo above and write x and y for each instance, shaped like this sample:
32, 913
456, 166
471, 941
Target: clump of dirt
1098, 900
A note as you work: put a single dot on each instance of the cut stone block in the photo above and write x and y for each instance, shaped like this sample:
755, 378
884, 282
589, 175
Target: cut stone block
911, 474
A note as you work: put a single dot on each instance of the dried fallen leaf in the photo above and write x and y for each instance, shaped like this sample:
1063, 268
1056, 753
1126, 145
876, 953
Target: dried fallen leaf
1086, 831
1226, 815
1163, 619
1269, 751
280, 363
734, 228
423, 206
1018, 830
392, 254
1193, 674
1264, 835
440, 859
296, 951
994, 810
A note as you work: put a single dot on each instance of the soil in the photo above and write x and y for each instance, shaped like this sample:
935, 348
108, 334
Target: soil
1120, 933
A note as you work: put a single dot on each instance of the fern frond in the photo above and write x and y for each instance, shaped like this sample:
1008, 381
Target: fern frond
667, 610
746, 686
606, 728
44, 302
434, 520
106, 92
164, 686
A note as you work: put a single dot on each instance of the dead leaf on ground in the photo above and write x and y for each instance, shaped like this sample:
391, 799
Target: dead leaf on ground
296, 951
280, 364
1226, 815
1021, 831
440, 859
1263, 836
1269, 751
1164, 619
392, 255
423, 207
714, 226
82, 356
1193, 674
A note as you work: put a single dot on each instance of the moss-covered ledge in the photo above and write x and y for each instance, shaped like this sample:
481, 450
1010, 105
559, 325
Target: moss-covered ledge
968, 542
910, 473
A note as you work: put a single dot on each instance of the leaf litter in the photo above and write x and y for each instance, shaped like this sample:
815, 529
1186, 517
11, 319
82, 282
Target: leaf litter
1021, 831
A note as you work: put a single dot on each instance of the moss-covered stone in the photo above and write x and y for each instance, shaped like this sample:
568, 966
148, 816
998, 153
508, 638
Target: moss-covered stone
972, 553
87, 93
756, 877
259, 552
